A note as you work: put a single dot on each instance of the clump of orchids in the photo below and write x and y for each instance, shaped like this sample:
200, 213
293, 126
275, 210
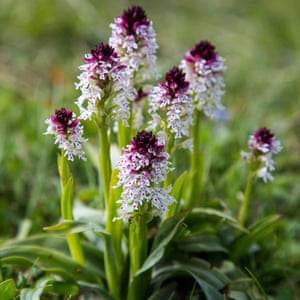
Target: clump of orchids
148, 123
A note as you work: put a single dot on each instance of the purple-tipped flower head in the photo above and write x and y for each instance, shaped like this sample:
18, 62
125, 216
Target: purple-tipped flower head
102, 75
142, 167
204, 69
264, 141
132, 18
134, 39
100, 55
171, 101
68, 133
203, 50
262, 144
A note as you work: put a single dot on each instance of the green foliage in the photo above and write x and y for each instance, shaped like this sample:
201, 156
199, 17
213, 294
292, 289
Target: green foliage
7, 289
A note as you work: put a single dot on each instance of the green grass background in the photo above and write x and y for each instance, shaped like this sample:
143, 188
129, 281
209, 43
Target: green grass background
42, 43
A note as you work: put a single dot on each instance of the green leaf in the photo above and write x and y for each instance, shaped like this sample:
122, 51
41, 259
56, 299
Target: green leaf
210, 280
194, 218
49, 285
176, 192
111, 267
7, 289
164, 236
178, 186
62, 288
259, 286
70, 226
167, 231
167, 292
56, 244
36, 292
51, 260
257, 231
201, 243
86, 287
210, 291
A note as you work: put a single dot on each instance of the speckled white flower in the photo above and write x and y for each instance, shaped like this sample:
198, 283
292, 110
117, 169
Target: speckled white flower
142, 168
134, 39
204, 69
104, 84
170, 103
68, 133
263, 144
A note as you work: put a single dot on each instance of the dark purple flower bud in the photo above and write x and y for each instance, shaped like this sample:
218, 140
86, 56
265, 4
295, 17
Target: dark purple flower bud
264, 136
132, 18
147, 144
203, 50
263, 140
64, 121
101, 53
175, 81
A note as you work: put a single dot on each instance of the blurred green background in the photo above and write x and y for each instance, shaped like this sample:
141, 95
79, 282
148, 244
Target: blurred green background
42, 43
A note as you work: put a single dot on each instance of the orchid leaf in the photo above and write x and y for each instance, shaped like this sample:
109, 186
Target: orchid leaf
48, 285
52, 260
7, 289
70, 226
201, 243
193, 219
209, 279
164, 236
257, 231
176, 192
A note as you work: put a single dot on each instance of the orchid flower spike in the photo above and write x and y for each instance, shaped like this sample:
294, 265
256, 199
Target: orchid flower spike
142, 168
68, 133
204, 69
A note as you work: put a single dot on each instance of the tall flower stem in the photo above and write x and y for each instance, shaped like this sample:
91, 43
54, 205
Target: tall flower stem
113, 257
104, 159
138, 245
245, 205
196, 168
66, 182
170, 151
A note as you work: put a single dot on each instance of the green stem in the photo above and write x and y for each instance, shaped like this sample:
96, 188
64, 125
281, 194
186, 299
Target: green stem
104, 160
195, 163
111, 268
66, 182
113, 256
75, 248
245, 205
138, 245
170, 150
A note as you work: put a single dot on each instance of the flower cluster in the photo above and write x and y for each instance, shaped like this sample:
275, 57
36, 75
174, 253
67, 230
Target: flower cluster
134, 39
103, 76
142, 167
262, 144
172, 98
68, 133
204, 69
